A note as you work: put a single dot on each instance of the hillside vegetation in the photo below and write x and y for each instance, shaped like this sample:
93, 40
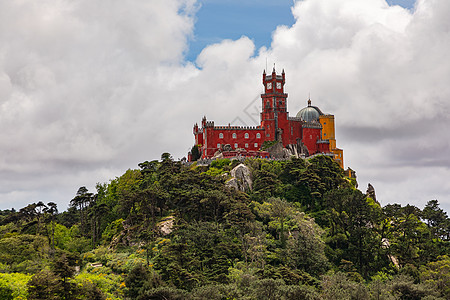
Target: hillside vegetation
172, 231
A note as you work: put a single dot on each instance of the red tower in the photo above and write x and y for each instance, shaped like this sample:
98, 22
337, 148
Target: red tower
274, 106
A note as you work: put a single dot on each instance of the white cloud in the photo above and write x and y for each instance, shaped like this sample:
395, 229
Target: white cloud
383, 71
91, 88
81, 89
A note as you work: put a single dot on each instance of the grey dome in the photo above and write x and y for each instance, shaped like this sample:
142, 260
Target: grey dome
309, 113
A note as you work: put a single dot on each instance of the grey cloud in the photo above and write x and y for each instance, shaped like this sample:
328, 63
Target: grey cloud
89, 89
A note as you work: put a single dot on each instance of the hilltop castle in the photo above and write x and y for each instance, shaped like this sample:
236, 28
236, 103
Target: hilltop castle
309, 132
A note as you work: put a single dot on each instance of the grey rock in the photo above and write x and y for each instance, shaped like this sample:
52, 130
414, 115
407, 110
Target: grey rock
241, 178
371, 192
295, 150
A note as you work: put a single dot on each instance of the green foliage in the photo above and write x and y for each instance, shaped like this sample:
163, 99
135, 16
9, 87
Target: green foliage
197, 254
45, 285
195, 152
112, 230
112, 286
267, 144
220, 163
170, 231
212, 171
339, 286
437, 274
140, 279
14, 284
24, 253
164, 293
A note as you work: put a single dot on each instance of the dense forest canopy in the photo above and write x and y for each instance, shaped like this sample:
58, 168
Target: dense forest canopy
298, 229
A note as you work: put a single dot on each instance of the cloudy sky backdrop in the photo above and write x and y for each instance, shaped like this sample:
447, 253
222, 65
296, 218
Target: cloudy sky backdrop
89, 89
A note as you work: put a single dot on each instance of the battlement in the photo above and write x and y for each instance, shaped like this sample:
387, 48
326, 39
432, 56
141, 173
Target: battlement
208, 124
316, 125
229, 127
296, 119
278, 77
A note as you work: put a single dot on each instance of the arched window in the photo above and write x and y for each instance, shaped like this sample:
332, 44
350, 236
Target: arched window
220, 135
256, 145
246, 145
235, 145
218, 146
234, 136
258, 135
246, 135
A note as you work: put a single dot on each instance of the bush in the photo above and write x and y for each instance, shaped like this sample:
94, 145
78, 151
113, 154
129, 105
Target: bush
164, 293
17, 282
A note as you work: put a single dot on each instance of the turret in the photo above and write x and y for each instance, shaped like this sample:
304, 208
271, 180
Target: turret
204, 122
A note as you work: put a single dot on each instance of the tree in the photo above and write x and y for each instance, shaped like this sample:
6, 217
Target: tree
51, 210
265, 185
81, 201
40, 208
409, 236
195, 152
340, 286
96, 212
269, 289
353, 231
64, 269
198, 254
437, 274
136, 280
437, 220
44, 285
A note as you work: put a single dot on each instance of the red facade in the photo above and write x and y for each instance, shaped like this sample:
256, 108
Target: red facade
275, 125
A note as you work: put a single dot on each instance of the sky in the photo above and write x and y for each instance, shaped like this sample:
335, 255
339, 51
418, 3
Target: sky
89, 89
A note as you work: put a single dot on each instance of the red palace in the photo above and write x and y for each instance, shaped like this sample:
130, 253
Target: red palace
311, 129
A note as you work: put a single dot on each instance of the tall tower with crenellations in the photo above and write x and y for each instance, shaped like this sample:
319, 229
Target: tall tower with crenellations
274, 105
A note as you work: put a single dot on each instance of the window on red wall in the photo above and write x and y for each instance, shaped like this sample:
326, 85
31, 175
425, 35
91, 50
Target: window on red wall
246, 135
220, 135
246, 145
235, 145
234, 136
258, 135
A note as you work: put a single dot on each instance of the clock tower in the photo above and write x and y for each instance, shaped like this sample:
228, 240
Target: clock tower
274, 116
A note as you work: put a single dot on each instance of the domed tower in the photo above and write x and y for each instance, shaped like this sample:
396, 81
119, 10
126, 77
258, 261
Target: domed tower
310, 113
314, 119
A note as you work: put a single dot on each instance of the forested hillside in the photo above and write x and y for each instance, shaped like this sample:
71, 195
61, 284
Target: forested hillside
174, 231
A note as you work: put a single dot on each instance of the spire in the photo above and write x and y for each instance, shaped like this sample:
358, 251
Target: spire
309, 101
282, 71
273, 68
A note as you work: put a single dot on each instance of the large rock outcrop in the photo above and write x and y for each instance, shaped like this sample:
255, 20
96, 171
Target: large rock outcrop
371, 192
241, 178
292, 150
